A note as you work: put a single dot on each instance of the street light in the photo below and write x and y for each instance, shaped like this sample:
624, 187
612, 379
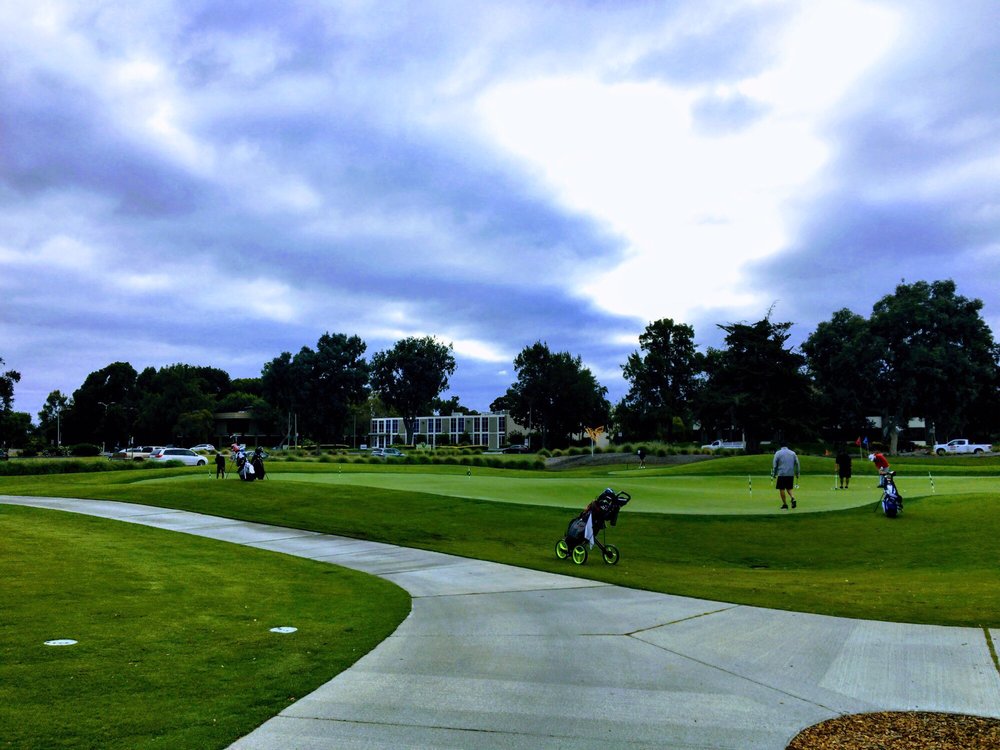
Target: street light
105, 425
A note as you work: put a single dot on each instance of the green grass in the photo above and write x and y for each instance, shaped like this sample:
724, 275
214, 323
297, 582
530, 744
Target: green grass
175, 648
174, 643
937, 564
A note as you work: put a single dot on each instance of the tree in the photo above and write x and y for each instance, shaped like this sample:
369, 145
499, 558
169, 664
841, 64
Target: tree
104, 407
757, 384
50, 417
554, 394
448, 406
7, 381
8, 429
939, 360
411, 375
320, 386
662, 379
171, 391
194, 426
844, 360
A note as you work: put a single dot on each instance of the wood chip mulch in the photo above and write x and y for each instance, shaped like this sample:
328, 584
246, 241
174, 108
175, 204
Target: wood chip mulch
891, 730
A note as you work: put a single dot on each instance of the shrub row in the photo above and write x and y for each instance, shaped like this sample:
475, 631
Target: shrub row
67, 466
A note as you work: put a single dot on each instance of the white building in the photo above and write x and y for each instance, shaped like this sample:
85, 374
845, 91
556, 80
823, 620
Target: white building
487, 430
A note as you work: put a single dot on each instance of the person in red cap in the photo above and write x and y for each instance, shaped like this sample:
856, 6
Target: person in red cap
882, 464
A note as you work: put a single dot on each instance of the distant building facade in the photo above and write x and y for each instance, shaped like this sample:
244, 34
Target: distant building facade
488, 430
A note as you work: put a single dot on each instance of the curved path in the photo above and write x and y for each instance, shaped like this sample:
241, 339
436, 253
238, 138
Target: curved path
497, 656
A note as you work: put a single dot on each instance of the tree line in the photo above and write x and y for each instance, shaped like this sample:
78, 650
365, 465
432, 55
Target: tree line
924, 351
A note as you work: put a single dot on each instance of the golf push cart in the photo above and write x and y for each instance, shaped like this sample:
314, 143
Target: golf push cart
584, 528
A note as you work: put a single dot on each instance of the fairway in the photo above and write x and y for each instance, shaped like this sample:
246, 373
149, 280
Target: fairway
690, 530
700, 495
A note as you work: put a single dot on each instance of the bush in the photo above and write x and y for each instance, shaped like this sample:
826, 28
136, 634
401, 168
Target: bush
83, 450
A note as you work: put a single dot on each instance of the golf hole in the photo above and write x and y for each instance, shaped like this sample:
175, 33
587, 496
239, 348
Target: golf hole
284, 629
61, 642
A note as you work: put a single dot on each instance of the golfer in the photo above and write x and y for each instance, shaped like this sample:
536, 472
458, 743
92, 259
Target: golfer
844, 468
882, 464
785, 470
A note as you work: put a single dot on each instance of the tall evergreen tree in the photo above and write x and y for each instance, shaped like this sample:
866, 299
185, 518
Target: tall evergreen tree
662, 379
758, 384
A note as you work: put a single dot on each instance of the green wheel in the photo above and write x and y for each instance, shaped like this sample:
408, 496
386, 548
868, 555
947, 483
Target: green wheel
579, 554
562, 549
611, 554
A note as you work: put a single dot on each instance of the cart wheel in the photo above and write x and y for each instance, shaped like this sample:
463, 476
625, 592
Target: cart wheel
611, 554
562, 549
579, 554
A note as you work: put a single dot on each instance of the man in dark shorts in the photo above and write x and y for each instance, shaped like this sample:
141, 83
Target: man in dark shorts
844, 467
785, 470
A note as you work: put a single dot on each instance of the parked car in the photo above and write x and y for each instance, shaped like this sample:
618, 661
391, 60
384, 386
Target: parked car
203, 447
134, 453
184, 455
516, 449
388, 453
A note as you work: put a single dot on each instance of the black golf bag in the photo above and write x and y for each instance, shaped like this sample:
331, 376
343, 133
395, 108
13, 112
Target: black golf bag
257, 462
583, 529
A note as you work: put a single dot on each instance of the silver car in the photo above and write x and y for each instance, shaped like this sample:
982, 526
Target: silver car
388, 453
184, 455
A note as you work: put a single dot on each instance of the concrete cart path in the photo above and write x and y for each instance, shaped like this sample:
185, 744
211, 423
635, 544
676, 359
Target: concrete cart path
494, 656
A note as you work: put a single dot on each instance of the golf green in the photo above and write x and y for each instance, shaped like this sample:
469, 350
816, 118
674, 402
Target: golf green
699, 495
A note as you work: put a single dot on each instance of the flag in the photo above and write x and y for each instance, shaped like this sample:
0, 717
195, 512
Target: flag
866, 441
858, 441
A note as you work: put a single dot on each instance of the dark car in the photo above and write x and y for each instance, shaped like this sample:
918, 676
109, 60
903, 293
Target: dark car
516, 449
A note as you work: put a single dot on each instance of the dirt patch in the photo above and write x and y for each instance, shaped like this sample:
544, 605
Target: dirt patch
904, 730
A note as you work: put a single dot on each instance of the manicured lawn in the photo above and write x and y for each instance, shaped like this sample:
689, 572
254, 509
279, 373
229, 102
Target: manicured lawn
652, 492
174, 644
939, 563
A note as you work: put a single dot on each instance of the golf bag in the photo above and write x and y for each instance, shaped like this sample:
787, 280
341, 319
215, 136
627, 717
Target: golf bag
892, 501
600, 513
257, 463
583, 529
244, 467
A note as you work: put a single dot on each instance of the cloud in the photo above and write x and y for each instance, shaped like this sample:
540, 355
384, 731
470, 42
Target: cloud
217, 182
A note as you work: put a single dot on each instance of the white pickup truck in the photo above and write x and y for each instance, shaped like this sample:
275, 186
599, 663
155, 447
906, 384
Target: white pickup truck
722, 445
961, 445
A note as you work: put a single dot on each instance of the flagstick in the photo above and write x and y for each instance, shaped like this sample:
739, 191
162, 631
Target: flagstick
932, 482
750, 484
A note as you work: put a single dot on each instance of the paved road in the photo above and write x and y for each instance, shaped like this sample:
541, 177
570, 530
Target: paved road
494, 656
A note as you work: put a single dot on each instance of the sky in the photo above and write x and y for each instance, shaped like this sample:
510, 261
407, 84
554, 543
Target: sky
215, 182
